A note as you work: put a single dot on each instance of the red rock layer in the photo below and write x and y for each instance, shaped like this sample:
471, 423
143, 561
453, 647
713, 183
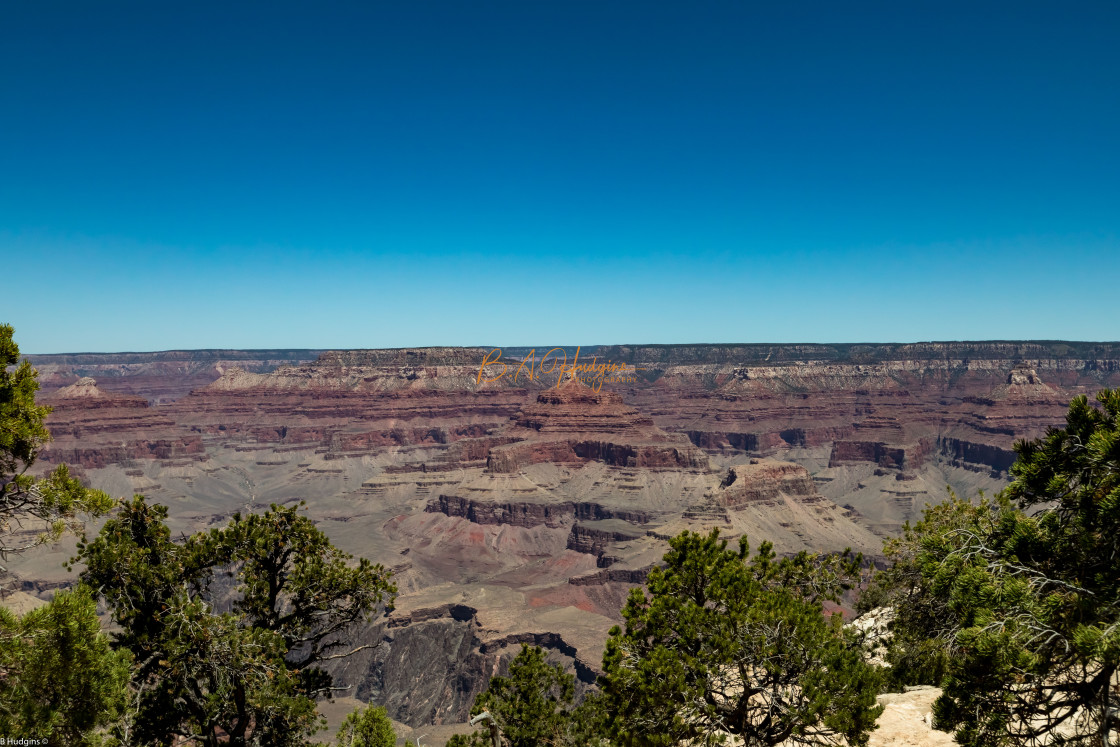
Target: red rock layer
572, 423
93, 428
362, 402
576, 408
881, 454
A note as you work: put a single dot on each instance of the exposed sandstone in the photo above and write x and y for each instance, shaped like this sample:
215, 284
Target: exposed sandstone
762, 481
907, 720
574, 407
881, 454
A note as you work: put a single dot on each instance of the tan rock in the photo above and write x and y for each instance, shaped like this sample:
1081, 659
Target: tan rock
906, 719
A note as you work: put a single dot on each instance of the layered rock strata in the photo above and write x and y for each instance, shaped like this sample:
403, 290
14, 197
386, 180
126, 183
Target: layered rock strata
518, 510
93, 428
572, 423
159, 377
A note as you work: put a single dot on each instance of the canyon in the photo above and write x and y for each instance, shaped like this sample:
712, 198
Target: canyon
524, 509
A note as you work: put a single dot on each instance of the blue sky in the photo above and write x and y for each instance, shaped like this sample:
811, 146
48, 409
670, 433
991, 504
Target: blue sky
369, 174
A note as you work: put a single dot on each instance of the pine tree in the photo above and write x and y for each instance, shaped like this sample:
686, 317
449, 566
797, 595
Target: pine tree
726, 644
1039, 607
59, 678
923, 635
531, 707
47, 506
366, 727
249, 675
1026, 599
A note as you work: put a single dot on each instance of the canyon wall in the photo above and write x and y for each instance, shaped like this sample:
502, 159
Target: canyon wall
524, 509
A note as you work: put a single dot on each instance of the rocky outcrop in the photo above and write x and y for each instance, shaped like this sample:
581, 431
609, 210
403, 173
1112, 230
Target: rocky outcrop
457, 612
364, 441
511, 458
525, 515
528, 515
574, 407
39, 588
93, 458
1024, 383
429, 672
763, 482
548, 641
597, 512
873, 629
881, 454
866, 451
976, 456
428, 666
515, 456
611, 575
717, 440
594, 540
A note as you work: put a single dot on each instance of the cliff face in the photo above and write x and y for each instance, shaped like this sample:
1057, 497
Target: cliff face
517, 455
432, 663
530, 515
370, 371
869, 404
344, 423
881, 454
525, 515
976, 456
597, 539
574, 407
763, 483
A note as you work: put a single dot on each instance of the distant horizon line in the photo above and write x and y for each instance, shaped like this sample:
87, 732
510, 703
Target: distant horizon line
590, 346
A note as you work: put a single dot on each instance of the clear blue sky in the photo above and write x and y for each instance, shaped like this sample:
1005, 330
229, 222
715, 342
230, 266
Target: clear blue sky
374, 174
